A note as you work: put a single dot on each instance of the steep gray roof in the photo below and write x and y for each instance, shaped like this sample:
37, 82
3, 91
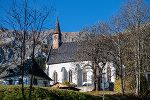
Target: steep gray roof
14, 71
68, 52
65, 53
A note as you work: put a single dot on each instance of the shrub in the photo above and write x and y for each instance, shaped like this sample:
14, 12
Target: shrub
117, 85
66, 83
128, 82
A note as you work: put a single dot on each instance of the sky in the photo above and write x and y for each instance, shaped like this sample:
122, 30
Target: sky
74, 15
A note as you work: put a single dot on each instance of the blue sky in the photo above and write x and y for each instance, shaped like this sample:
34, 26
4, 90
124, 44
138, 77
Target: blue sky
75, 14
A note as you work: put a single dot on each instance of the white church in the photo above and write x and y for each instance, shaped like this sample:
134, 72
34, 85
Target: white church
62, 66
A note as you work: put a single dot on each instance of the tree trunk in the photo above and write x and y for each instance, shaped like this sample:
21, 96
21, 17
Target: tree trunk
122, 81
121, 67
138, 58
31, 81
94, 89
23, 62
24, 45
22, 84
95, 78
136, 72
137, 85
31, 84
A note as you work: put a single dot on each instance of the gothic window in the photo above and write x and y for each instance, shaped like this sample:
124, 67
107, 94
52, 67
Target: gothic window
84, 76
79, 74
64, 74
108, 74
55, 77
70, 76
77, 68
55, 37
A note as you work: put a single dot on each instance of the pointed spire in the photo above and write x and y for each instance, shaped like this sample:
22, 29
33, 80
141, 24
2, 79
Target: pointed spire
57, 27
56, 35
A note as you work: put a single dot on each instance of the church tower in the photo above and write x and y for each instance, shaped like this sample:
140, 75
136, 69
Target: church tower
56, 35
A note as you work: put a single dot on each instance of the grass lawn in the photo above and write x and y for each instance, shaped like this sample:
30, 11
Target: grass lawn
110, 95
101, 93
40, 93
47, 93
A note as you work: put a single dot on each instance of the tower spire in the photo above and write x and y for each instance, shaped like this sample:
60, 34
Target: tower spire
57, 27
56, 35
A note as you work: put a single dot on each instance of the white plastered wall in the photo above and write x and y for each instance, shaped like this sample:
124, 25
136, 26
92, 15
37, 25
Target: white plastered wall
77, 76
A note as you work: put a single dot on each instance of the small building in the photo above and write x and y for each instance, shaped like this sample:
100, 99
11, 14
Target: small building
12, 75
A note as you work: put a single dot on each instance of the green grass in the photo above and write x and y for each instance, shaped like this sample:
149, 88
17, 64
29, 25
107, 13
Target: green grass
101, 93
47, 93
110, 95
38, 93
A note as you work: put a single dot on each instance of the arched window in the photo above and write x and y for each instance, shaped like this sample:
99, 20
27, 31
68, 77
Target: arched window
64, 74
84, 76
108, 74
55, 77
79, 74
70, 76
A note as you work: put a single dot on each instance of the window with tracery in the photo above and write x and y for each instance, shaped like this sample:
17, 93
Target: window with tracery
70, 76
108, 74
55, 77
84, 76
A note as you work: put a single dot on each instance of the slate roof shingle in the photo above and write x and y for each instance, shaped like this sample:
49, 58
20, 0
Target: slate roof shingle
65, 53
68, 52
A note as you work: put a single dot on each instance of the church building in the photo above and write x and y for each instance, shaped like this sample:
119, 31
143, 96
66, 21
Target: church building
62, 66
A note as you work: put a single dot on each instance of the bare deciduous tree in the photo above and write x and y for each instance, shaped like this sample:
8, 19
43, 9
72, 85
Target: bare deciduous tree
95, 48
28, 24
134, 15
